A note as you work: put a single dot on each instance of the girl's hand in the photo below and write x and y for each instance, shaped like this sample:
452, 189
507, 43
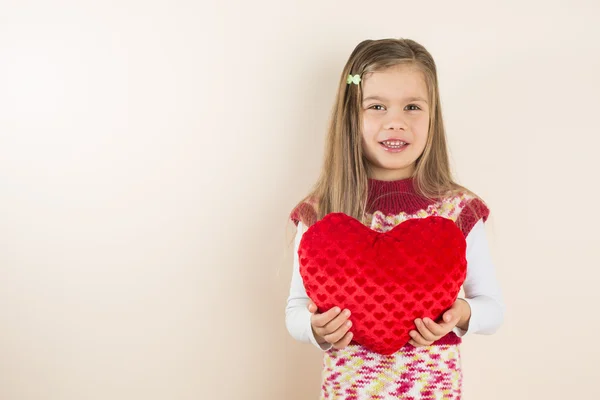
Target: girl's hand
331, 326
430, 331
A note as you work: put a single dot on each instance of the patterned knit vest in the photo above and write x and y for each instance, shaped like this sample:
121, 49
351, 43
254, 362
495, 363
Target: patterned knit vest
429, 372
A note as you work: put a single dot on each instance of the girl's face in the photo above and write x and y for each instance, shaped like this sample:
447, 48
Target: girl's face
395, 110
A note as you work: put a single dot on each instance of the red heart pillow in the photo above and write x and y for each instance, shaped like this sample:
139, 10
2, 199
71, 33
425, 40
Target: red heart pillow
386, 280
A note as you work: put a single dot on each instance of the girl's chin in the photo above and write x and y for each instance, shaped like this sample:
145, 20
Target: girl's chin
382, 159
389, 171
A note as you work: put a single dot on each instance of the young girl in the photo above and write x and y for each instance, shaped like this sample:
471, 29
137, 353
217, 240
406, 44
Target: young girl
386, 161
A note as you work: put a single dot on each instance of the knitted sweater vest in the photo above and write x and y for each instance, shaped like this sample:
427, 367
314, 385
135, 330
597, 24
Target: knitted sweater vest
427, 372
392, 202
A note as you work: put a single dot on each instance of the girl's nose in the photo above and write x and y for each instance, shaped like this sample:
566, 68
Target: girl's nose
395, 121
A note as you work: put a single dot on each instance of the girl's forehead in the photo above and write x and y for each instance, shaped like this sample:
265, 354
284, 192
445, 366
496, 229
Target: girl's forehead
398, 81
398, 77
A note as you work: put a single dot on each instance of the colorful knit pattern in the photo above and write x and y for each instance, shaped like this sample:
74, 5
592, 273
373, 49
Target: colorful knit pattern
421, 373
449, 208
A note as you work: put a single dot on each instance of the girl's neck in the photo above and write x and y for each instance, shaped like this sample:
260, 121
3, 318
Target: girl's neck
386, 174
395, 196
390, 180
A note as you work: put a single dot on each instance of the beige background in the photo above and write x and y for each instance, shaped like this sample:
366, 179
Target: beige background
151, 151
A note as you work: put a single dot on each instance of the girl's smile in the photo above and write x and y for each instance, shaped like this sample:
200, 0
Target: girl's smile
394, 145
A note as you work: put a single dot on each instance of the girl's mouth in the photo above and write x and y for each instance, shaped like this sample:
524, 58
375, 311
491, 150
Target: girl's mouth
394, 146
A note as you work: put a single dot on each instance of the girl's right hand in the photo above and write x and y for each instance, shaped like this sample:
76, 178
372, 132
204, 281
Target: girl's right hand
331, 326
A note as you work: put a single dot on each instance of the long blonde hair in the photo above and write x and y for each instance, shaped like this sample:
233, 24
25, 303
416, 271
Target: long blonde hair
342, 185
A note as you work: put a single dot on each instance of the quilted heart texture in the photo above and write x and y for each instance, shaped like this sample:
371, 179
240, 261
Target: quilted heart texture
386, 279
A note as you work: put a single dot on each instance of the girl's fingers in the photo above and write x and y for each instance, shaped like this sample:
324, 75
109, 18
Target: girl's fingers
320, 320
337, 322
416, 337
344, 342
339, 333
426, 333
435, 328
448, 325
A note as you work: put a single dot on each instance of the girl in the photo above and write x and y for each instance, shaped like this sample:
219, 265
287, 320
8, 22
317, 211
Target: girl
386, 161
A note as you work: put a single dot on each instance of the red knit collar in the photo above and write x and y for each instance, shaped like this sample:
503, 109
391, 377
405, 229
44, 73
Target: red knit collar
394, 197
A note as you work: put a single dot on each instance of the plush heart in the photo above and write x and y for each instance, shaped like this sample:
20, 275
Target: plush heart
386, 279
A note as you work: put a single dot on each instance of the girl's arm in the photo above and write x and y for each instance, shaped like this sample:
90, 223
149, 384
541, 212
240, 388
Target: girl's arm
297, 316
482, 291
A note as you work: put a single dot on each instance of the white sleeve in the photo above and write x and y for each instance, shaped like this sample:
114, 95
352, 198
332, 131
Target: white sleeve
481, 288
297, 316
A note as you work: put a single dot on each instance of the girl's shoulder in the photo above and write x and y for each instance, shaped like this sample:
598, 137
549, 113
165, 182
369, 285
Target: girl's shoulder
466, 209
306, 212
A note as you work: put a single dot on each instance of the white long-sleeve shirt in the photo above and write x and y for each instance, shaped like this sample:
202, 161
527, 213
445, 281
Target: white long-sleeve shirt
481, 290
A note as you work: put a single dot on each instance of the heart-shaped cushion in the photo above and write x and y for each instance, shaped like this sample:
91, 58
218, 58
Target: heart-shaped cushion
386, 279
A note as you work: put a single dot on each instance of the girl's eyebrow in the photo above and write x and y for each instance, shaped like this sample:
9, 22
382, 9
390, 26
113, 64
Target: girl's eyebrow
383, 99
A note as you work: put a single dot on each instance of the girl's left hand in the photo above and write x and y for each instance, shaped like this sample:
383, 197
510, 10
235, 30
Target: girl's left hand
430, 331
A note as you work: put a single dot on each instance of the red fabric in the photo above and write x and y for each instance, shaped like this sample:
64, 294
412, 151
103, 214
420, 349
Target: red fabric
305, 213
472, 211
386, 280
394, 197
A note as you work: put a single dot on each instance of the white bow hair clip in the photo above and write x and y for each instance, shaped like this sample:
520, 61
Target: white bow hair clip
353, 79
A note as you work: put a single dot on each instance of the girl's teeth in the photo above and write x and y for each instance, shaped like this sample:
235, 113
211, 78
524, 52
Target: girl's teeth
395, 143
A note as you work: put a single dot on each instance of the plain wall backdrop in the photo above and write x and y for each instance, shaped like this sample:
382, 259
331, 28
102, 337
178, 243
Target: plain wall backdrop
150, 152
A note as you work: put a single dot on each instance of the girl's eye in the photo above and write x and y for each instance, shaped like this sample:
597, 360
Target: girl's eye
410, 105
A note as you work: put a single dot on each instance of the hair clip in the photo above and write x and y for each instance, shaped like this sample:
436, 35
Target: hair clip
353, 79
